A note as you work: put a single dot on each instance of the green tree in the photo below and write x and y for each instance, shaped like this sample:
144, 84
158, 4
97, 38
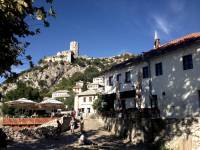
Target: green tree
90, 73
23, 91
17, 22
70, 101
97, 105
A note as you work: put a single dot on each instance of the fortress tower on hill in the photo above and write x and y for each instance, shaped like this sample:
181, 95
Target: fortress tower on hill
67, 55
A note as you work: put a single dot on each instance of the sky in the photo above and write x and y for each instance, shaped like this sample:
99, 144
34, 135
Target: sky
109, 27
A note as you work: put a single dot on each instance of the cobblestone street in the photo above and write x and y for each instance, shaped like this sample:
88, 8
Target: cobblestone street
94, 132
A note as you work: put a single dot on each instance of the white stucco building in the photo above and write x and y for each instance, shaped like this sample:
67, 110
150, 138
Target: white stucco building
78, 87
60, 94
83, 102
169, 75
99, 80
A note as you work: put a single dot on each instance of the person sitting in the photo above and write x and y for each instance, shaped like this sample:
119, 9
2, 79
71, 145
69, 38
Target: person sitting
84, 141
81, 140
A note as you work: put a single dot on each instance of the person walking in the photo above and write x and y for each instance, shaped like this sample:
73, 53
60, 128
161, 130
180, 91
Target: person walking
59, 128
72, 124
81, 124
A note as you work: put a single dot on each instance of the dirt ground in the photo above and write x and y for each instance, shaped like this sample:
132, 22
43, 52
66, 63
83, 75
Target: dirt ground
67, 141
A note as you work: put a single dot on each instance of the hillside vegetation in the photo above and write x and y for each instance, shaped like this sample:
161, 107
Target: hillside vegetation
47, 77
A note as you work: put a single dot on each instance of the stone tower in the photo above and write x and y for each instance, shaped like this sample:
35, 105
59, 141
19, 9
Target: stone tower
74, 48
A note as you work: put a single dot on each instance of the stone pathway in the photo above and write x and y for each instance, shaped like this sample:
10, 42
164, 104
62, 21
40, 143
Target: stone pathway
67, 141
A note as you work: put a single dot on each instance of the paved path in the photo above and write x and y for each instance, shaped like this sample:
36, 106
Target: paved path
94, 132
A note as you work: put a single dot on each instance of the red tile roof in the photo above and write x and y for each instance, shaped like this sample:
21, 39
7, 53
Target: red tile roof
165, 48
183, 39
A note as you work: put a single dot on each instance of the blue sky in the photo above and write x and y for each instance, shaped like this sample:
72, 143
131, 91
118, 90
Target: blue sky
110, 27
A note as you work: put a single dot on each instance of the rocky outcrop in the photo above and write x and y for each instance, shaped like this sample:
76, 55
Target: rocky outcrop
48, 74
44, 76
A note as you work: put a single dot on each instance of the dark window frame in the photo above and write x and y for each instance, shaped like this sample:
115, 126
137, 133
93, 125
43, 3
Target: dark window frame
90, 99
128, 77
159, 69
110, 81
145, 72
118, 77
187, 62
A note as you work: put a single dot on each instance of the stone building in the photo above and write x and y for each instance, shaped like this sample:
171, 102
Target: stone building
67, 55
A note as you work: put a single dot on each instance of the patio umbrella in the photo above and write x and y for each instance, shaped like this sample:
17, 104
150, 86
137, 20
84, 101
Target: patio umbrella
22, 103
51, 104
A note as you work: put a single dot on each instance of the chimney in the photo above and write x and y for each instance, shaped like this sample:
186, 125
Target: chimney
156, 40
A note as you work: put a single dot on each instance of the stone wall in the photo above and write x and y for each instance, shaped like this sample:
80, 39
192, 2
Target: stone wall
172, 133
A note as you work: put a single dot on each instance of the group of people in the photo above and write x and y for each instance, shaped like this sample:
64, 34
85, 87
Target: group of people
82, 140
73, 124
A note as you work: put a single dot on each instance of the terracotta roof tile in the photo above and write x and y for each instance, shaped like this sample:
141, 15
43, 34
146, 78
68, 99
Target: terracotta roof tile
182, 39
167, 47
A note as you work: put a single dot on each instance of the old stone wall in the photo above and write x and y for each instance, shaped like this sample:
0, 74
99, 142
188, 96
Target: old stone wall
176, 134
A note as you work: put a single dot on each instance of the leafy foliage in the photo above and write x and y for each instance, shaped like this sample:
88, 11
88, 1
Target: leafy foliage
42, 83
87, 76
17, 17
70, 101
97, 105
23, 91
7, 110
90, 73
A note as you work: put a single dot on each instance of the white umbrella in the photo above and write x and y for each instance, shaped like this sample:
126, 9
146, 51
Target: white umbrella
51, 103
21, 101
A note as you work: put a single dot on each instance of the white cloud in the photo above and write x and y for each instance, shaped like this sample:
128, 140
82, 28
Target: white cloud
162, 24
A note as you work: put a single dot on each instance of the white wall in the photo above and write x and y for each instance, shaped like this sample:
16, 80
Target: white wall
79, 103
180, 86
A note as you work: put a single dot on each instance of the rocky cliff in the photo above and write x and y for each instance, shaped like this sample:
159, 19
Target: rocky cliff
46, 75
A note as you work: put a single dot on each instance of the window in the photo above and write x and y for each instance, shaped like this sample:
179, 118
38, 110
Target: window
110, 80
128, 77
88, 110
145, 72
154, 101
159, 70
90, 99
84, 99
118, 77
187, 62
82, 110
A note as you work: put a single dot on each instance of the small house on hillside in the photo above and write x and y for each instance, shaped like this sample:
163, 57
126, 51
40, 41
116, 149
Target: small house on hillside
60, 94
83, 102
